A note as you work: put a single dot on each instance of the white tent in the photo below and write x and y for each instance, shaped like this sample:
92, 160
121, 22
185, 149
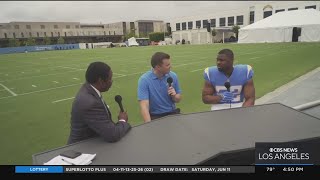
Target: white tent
132, 42
280, 27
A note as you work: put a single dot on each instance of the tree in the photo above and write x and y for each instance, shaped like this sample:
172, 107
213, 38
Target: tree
130, 35
60, 40
213, 32
235, 29
157, 36
14, 43
30, 42
47, 40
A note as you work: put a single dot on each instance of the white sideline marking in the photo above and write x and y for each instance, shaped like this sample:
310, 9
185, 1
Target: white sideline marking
62, 100
75, 78
255, 57
197, 70
33, 85
55, 81
14, 94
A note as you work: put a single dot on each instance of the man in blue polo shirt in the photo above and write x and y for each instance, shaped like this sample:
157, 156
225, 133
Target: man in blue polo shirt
156, 94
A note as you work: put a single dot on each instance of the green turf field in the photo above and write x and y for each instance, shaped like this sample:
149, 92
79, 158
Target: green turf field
37, 89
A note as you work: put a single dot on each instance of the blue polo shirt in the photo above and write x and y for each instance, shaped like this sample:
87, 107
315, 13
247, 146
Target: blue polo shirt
151, 88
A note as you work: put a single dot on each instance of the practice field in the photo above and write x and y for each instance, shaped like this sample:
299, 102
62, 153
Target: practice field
37, 89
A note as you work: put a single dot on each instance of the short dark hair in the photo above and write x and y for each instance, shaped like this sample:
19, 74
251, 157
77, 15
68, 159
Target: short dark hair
227, 52
97, 70
158, 57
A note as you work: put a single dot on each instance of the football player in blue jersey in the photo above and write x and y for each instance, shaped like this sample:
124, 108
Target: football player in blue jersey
228, 86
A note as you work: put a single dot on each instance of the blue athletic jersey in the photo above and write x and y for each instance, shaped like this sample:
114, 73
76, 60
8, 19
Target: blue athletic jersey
240, 76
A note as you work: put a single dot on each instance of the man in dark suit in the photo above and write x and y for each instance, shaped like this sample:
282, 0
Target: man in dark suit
90, 116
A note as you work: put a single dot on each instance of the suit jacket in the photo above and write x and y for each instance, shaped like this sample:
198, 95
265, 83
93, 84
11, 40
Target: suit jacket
90, 118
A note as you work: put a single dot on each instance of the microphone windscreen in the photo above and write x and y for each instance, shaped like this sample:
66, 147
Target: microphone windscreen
118, 98
227, 85
169, 80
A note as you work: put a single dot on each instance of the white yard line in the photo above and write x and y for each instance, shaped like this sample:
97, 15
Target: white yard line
197, 70
38, 76
33, 85
62, 100
71, 68
75, 78
254, 57
119, 74
11, 92
55, 81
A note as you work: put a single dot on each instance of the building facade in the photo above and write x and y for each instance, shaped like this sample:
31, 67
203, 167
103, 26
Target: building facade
75, 32
197, 29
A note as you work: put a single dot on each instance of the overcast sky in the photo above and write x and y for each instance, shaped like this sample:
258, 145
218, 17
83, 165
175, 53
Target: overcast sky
109, 11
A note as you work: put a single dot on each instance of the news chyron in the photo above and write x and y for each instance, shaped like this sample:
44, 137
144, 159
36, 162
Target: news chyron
287, 157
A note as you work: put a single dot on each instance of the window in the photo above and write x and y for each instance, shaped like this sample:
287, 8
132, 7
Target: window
51, 34
114, 32
55, 27
22, 35
42, 26
178, 26
16, 26
222, 22
230, 21
28, 26
68, 26
279, 10
30, 34
184, 26
190, 25
204, 23
37, 34
45, 34
5, 35
65, 34
291, 9
77, 26
104, 33
251, 17
240, 20
14, 35
213, 23
109, 32
311, 7
267, 14
198, 24
58, 34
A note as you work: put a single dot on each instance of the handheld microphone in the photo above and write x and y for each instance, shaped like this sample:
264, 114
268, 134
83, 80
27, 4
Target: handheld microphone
227, 85
169, 81
118, 99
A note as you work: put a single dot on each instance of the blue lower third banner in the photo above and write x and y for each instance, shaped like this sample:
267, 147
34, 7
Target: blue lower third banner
39, 169
293, 153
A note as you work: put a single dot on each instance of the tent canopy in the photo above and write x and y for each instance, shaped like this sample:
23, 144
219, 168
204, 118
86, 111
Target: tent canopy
280, 26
